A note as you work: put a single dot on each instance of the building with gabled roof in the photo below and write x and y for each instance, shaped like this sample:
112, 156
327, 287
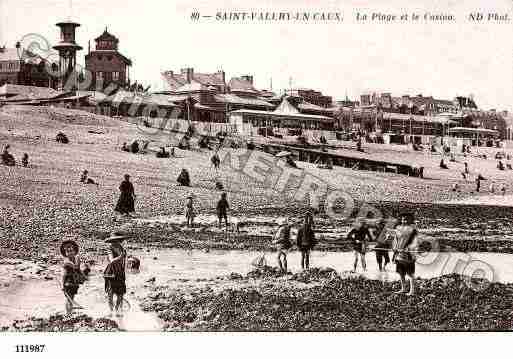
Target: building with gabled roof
19, 66
107, 64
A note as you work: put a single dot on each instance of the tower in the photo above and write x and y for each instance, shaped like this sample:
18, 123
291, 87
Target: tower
67, 48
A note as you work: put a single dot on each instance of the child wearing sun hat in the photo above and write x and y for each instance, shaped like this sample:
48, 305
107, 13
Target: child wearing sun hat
114, 273
72, 276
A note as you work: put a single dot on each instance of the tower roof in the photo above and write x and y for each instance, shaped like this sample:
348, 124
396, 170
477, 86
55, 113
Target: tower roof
106, 36
67, 23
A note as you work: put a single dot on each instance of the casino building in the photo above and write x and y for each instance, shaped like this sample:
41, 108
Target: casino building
106, 64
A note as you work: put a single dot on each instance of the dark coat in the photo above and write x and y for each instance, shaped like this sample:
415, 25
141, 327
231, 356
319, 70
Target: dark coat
306, 238
126, 198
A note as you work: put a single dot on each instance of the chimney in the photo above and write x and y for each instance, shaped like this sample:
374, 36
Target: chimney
223, 76
189, 74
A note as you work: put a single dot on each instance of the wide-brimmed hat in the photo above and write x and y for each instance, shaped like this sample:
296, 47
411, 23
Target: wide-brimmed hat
116, 237
68, 242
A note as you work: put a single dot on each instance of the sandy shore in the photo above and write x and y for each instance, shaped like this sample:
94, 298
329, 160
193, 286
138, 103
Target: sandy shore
45, 203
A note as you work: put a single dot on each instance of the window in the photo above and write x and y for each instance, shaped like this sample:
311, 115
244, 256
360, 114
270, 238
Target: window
11, 65
100, 57
99, 75
115, 76
109, 57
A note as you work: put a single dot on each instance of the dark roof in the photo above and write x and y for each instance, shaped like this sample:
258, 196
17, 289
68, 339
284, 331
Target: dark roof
123, 96
107, 36
177, 80
113, 52
21, 92
239, 100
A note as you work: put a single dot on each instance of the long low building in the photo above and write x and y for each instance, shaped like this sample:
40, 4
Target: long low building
285, 120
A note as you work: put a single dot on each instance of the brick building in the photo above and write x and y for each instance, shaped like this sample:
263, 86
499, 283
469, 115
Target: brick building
21, 67
106, 64
311, 96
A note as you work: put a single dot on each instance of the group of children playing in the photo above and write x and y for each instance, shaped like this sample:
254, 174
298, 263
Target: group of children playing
221, 210
114, 274
403, 247
401, 241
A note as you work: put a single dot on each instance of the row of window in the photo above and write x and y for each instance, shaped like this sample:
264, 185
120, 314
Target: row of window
109, 57
8, 66
115, 75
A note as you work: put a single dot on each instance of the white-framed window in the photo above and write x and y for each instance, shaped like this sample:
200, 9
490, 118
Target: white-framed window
115, 76
11, 65
99, 75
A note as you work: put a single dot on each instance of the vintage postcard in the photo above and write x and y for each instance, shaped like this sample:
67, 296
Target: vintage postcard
246, 166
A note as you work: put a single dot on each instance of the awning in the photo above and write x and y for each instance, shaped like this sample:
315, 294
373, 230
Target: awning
473, 130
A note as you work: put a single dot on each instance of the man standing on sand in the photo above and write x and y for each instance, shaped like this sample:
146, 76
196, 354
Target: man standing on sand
403, 248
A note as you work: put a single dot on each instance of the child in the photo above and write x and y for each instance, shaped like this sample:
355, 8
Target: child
382, 247
358, 236
306, 240
403, 247
72, 277
189, 211
282, 241
84, 178
222, 207
114, 273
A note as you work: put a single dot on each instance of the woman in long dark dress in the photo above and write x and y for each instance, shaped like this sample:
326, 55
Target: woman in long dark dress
125, 203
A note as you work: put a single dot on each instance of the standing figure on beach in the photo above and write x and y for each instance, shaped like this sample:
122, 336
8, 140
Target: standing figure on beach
479, 178
72, 277
382, 247
216, 161
189, 211
403, 248
25, 159
183, 178
283, 243
358, 237
126, 201
306, 240
114, 273
222, 210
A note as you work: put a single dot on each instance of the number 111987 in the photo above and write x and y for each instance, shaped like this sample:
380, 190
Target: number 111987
32, 348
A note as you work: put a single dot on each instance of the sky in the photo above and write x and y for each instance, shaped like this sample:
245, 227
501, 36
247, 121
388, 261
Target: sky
442, 59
